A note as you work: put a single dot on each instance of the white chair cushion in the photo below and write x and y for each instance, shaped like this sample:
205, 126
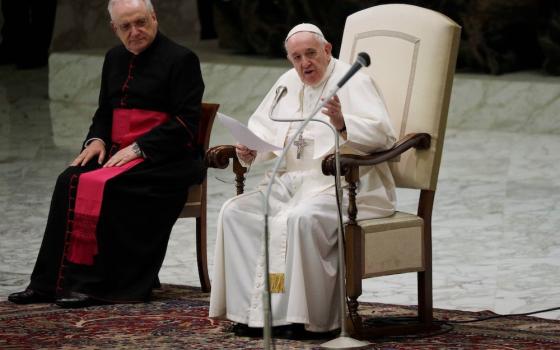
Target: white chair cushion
393, 245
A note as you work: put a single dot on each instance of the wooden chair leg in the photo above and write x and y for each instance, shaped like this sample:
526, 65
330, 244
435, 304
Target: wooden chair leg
425, 297
354, 242
354, 259
425, 308
201, 254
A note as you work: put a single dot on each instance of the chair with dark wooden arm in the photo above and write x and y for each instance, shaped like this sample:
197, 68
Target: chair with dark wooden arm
195, 207
413, 51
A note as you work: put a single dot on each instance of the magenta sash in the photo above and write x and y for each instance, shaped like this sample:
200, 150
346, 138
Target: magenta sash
128, 125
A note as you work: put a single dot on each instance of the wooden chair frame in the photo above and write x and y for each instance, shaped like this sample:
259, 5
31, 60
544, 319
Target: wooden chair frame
355, 248
196, 204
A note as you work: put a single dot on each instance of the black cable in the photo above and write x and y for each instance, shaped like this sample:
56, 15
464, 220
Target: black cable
507, 315
447, 325
442, 331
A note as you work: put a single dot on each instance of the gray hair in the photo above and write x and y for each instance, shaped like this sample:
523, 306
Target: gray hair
112, 3
321, 39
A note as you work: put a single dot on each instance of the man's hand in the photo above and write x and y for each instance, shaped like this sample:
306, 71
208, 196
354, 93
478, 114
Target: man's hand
334, 111
96, 148
122, 157
245, 154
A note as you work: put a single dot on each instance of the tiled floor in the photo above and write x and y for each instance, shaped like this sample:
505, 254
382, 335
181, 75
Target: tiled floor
496, 216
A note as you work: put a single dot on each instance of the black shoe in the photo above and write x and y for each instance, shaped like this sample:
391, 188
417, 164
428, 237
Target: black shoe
78, 300
296, 331
29, 296
292, 331
242, 330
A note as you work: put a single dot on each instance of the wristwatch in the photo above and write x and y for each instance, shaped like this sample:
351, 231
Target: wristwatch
136, 149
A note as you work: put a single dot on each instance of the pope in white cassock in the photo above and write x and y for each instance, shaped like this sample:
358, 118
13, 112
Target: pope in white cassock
302, 215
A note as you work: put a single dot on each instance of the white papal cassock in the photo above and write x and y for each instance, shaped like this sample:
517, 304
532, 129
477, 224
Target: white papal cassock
302, 215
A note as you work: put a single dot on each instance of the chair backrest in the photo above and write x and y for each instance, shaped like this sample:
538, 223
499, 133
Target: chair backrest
413, 53
208, 111
197, 194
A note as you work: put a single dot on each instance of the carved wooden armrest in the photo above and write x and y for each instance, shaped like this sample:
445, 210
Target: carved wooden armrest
219, 156
348, 161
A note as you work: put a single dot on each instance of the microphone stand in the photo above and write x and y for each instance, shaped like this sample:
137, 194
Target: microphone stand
344, 341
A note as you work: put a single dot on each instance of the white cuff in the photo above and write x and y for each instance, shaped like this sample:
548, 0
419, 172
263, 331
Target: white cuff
243, 164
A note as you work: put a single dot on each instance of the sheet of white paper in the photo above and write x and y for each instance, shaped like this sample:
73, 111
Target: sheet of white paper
244, 136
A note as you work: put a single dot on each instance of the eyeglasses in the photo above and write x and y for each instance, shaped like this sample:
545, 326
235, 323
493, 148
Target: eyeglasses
309, 54
138, 24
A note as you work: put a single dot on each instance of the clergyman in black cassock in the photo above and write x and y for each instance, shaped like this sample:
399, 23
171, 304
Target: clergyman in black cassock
158, 85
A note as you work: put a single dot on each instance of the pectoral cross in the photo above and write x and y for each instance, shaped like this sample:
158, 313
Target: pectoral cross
300, 144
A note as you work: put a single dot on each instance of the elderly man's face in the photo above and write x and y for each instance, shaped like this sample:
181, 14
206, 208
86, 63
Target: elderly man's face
134, 24
309, 56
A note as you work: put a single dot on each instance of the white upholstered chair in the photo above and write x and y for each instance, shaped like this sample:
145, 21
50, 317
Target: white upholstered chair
413, 53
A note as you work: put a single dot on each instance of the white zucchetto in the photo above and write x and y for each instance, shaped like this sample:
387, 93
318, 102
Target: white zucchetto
304, 27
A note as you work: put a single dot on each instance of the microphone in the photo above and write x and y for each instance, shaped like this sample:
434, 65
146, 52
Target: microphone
361, 61
281, 90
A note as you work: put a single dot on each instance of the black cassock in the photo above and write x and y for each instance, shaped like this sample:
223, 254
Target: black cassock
141, 205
